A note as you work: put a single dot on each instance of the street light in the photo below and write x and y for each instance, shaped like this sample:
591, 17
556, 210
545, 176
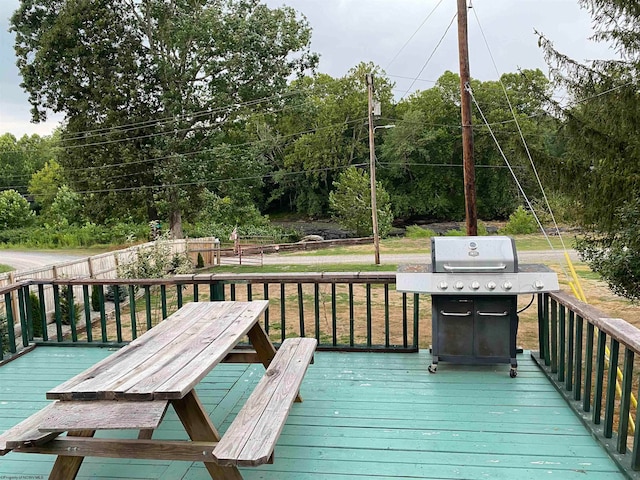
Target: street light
372, 175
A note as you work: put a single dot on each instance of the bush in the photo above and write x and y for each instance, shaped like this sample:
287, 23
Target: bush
4, 334
65, 310
200, 262
110, 294
414, 231
521, 222
35, 314
95, 298
350, 202
14, 210
156, 262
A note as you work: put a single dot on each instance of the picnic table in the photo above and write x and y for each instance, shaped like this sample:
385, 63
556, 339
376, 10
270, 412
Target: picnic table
132, 389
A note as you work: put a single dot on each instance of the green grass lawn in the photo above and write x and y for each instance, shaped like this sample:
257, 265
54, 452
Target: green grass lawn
5, 268
337, 267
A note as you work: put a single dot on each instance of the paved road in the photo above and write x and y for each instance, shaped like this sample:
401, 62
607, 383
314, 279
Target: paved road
30, 260
534, 256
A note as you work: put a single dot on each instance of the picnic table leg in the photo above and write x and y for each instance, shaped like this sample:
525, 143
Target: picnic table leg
66, 468
199, 427
264, 348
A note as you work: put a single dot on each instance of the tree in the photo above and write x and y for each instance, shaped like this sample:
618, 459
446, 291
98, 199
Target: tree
148, 87
600, 164
14, 210
350, 202
321, 131
44, 183
422, 156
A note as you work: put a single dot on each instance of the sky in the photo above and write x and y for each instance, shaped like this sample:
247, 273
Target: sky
404, 37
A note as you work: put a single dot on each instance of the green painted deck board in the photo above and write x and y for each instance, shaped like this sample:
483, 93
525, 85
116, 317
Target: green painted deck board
364, 415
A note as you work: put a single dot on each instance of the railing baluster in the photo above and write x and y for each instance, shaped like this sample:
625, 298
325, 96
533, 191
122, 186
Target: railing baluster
179, 288
58, 314
554, 336
334, 316
250, 293
195, 292
132, 312
147, 306
283, 300
635, 454
625, 400
570, 352
578, 359
266, 312
368, 300
541, 322
610, 401
300, 309
386, 316
233, 292
416, 319
562, 329
28, 310
588, 375
352, 317
116, 304
163, 300
87, 313
545, 331
11, 332
24, 324
316, 307
103, 314
43, 313
600, 368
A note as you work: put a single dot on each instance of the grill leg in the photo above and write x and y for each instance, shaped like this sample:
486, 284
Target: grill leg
434, 365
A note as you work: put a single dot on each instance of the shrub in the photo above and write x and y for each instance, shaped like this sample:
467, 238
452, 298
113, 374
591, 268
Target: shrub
36, 312
415, 231
95, 298
65, 310
4, 334
200, 262
455, 233
110, 294
350, 202
14, 210
520, 222
156, 262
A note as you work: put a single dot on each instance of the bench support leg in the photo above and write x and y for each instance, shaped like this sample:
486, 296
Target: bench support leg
199, 427
263, 347
66, 468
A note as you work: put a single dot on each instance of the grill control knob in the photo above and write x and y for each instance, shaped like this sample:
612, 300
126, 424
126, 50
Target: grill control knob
507, 285
491, 286
443, 285
459, 286
475, 285
538, 285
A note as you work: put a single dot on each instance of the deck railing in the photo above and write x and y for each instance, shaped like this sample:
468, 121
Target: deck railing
589, 374
344, 311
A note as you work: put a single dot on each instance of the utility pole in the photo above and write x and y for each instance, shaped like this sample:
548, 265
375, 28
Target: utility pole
469, 174
372, 171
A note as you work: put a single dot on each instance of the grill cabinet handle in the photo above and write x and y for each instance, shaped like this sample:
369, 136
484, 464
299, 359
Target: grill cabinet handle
454, 314
491, 314
488, 268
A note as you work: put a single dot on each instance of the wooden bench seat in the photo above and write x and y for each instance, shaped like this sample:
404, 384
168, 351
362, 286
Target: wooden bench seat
62, 416
251, 438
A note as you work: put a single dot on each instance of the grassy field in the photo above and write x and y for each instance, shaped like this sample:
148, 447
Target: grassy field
5, 268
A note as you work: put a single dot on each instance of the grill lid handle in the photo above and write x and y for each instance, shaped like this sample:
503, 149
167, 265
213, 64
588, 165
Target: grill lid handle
488, 268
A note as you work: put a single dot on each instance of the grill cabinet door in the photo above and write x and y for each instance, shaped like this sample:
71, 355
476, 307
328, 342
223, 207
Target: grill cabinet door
493, 324
454, 327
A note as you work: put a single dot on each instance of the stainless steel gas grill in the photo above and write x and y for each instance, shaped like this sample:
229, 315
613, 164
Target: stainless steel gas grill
474, 283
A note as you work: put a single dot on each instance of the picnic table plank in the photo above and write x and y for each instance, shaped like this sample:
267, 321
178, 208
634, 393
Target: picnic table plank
145, 379
26, 432
200, 365
252, 436
103, 415
110, 369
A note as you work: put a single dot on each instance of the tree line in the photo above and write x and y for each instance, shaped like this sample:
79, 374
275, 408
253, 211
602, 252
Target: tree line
193, 111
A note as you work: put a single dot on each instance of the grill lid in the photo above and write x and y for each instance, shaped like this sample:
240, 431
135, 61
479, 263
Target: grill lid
474, 255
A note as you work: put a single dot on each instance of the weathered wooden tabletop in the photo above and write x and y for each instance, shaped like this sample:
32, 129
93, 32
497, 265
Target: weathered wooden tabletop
170, 359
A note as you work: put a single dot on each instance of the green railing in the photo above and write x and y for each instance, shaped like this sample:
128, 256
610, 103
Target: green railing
344, 311
597, 381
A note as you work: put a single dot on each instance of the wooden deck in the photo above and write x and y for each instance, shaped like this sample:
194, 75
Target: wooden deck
364, 415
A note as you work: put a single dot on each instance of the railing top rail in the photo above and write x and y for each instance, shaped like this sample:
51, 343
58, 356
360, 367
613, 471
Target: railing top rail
616, 328
301, 277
